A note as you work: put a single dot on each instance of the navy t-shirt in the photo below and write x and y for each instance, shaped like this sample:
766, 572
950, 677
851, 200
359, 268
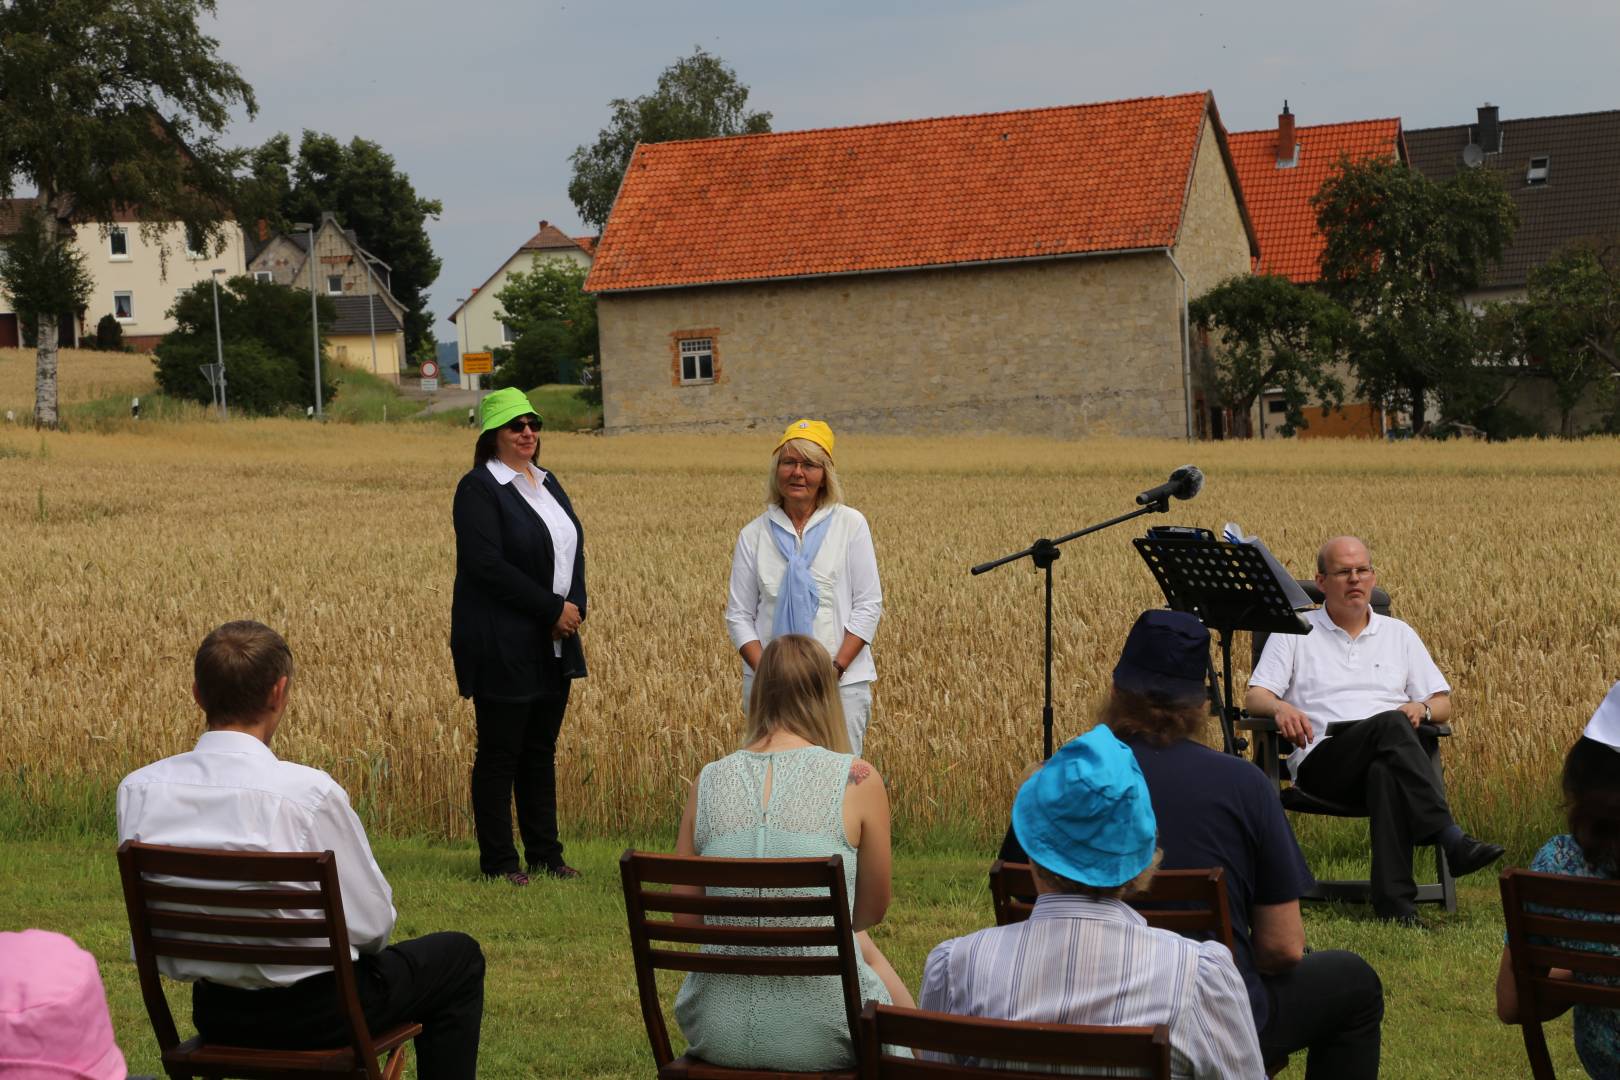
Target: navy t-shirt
1218, 810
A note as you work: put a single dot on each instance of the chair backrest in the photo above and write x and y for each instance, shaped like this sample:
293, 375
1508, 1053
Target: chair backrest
1554, 921
1084, 1051
252, 895
828, 904
1192, 903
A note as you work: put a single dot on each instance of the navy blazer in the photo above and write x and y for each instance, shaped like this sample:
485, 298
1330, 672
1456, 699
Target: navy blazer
503, 609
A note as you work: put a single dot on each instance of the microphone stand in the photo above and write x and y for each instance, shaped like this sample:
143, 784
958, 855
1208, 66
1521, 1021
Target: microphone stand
1043, 553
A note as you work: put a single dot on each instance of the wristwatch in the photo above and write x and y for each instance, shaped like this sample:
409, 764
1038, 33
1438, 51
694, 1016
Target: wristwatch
840, 668
1428, 713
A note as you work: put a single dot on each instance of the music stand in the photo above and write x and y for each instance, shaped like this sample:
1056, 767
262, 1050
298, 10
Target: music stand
1230, 587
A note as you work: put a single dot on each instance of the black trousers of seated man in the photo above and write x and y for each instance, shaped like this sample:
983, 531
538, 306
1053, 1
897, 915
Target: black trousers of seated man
436, 981
1382, 763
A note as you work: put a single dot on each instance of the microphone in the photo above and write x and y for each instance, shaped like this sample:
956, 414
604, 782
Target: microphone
1184, 483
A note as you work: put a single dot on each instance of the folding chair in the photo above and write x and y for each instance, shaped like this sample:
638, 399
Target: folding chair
1554, 921
1191, 903
828, 904
1072, 1050
1271, 750
269, 915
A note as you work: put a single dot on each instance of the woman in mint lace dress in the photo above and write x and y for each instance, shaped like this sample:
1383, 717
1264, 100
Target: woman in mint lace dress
1591, 848
793, 790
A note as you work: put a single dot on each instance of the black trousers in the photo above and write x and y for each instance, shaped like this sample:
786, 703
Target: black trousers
1330, 1005
517, 755
436, 981
1382, 764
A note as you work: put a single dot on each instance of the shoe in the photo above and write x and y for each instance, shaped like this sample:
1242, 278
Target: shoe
1469, 854
513, 877
1406, 920
560, 870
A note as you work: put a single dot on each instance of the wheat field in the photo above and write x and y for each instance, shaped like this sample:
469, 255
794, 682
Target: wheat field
126, 545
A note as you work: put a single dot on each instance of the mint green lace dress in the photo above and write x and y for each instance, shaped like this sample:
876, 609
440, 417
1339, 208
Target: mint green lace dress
758, 1021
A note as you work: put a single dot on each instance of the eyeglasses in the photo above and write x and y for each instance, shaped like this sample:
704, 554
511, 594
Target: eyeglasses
518, 426
789, 464
1348, 572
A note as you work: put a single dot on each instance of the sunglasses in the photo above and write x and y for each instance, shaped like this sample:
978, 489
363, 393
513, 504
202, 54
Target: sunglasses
518, 426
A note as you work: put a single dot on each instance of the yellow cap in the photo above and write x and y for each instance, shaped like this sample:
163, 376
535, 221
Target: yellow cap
815, 431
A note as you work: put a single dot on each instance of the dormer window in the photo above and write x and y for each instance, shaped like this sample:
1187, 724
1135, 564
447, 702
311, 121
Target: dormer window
1537, 173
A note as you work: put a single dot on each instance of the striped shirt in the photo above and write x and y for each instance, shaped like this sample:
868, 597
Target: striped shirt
1081, 960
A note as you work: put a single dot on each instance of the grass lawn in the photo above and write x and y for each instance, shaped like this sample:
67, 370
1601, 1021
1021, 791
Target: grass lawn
560, 995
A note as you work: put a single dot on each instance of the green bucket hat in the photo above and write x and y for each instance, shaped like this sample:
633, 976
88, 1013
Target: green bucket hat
502, 405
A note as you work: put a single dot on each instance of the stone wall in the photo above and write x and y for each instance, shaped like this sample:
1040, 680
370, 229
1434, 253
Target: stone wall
1065, 348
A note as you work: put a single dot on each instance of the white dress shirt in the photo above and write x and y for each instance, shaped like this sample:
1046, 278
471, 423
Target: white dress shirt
564, 536
1330, 676
846, 576
232, 793
1083, 960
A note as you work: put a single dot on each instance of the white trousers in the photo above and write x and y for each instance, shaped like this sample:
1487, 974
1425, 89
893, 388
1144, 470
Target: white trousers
857, 701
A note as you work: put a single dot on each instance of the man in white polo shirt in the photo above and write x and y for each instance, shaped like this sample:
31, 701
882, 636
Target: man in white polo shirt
1357, 665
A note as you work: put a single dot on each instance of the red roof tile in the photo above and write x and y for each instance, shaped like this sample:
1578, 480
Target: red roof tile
1037, 183
1279, 200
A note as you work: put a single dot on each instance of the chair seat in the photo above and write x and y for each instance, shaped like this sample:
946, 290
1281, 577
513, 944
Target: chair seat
687, 1067
216, 1059
1303, 802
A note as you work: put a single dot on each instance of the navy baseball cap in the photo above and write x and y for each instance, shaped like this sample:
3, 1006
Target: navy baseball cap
1166, 655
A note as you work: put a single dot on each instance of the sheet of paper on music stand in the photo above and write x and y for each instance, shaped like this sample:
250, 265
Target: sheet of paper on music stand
1232, 533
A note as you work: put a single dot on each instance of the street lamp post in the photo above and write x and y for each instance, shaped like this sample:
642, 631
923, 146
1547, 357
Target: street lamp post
314, 313
219, 344
371, 308
468, 382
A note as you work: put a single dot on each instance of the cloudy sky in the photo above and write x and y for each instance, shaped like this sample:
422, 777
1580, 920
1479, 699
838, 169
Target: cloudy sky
481, 101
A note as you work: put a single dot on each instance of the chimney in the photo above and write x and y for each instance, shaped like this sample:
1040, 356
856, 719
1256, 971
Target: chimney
262, 229
1287, 145
543, 224
1490, 132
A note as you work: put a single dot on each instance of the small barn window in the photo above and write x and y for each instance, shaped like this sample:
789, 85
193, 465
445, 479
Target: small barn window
508, 335
334, 284
263, 277
1276, 405
1537, 173
697, 360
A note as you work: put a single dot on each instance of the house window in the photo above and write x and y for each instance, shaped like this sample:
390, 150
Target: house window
508, 335
118, 243
196, 244
1276, 405
124, 306
263, 277
1537, 173
697, 360
334, 284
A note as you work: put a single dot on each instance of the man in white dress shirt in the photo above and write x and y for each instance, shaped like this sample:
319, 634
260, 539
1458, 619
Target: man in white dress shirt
232, 792
1358, 665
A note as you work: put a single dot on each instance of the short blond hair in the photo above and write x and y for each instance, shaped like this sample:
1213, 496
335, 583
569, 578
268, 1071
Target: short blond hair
831, 490
1137, 885
796, 690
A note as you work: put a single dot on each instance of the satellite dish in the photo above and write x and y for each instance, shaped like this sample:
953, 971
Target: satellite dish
1473, 156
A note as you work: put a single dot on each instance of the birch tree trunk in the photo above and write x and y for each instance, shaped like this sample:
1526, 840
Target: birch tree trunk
45, 396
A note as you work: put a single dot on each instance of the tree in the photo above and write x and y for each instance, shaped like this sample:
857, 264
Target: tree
1401, 252
45, 277
1270, 333
265, 329
362, 185
698, 97
553, 321
115, 106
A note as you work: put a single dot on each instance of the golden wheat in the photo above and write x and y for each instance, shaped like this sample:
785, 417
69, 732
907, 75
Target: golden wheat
124, 548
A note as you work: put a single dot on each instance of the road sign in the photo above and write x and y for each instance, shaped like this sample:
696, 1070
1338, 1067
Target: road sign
430, 386
477, 363
430, 370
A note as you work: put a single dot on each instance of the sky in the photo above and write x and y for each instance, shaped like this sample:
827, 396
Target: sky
481, 102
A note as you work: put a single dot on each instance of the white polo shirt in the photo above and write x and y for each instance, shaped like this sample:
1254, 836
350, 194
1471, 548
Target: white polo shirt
1330, 676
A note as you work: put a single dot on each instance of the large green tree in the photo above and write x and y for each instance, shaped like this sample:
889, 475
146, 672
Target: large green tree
1401, 253
697, 97
265, 331
362, 184
553, 322
1268, 333
112, 107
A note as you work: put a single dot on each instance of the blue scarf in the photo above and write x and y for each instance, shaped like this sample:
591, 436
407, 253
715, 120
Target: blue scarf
796, 601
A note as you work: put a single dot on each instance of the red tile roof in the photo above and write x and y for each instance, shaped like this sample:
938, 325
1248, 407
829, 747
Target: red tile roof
587, 244
1280, 199
1037, 183
549, 238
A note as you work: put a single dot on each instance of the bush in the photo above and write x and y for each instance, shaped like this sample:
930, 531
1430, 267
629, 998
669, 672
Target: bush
533, 359
110, 334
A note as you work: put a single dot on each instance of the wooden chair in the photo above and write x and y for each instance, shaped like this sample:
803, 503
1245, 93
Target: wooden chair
828, 904
1545, 929
1192, 903
276, 912
1072, 1050
1271, 750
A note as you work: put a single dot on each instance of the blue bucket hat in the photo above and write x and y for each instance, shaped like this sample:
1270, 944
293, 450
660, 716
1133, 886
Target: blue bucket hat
1166, 655
1086, 814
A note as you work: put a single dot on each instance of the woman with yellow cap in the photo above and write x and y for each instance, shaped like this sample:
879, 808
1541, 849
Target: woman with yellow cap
514, 633
807, 566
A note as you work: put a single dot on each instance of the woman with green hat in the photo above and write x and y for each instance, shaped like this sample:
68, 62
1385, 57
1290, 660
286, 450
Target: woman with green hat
807, 566
514, 633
